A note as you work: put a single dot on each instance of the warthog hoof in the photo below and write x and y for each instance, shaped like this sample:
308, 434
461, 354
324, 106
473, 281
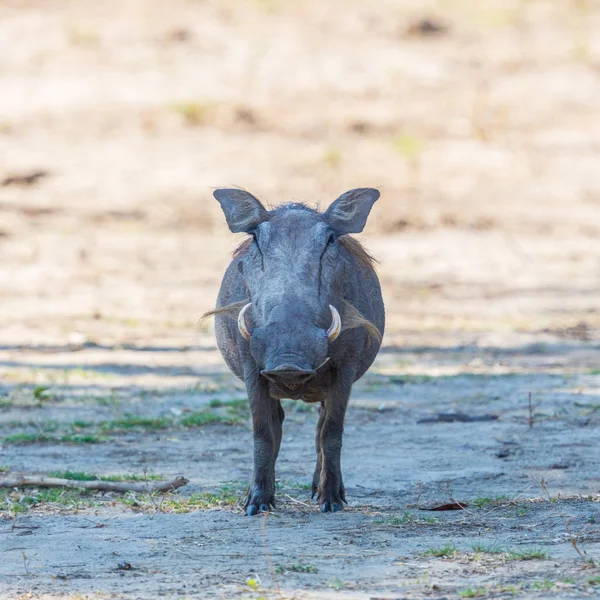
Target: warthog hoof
331, 500
258, 501
330, 507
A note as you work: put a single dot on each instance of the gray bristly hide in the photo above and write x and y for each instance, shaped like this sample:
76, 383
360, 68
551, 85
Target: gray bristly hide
299, 315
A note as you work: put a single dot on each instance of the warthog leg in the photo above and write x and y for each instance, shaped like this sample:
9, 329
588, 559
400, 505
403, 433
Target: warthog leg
317, 473
278, 418
327, 480
267, 419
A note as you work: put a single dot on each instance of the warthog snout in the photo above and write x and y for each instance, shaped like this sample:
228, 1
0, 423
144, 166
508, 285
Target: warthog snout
288, 375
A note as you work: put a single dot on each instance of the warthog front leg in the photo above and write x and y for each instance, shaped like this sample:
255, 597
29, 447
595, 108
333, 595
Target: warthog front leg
327, 480
267, 419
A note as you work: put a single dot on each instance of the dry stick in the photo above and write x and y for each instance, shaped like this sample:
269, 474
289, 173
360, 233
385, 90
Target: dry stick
573, 542
297, 501
544, 486
420, 492
104, 486
532, 407
531, 419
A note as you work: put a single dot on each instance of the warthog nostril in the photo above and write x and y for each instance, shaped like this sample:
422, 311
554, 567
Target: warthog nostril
289, 376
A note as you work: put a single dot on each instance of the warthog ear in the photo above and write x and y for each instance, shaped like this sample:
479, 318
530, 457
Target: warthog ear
348, 214
242, 210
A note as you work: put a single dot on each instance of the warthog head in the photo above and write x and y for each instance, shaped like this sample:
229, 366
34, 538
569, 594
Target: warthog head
294, 273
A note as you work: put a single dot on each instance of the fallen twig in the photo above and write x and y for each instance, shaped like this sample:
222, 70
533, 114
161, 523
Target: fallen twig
297, 501
104, 486
28, 178
574, 542
457, 417
531, 407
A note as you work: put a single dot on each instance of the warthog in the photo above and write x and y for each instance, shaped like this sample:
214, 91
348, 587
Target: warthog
309, 322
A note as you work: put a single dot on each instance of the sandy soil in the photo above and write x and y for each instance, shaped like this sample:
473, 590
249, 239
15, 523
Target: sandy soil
483, 139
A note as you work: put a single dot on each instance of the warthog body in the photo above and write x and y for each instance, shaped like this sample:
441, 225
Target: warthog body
299, 315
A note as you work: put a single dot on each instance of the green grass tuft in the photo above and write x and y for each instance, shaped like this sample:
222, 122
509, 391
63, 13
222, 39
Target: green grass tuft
201, 418
236, 412
443, 552
15, 502
32, 438
483, 501
295, 568
41, 393
406, 519
473, 592
135, 422
545, 584
238, 403
531, 554
82, 476
225, 497
482, 549
73, 475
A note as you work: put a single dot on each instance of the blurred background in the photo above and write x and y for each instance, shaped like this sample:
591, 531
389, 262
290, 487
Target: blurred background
479, 122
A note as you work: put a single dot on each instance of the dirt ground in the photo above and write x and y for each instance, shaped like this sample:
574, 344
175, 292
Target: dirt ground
479, 122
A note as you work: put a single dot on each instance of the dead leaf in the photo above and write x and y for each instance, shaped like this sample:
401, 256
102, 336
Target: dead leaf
449, 506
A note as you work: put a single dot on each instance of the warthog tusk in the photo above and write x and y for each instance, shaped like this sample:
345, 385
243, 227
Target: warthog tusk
242, 322
323, 363
336, 324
